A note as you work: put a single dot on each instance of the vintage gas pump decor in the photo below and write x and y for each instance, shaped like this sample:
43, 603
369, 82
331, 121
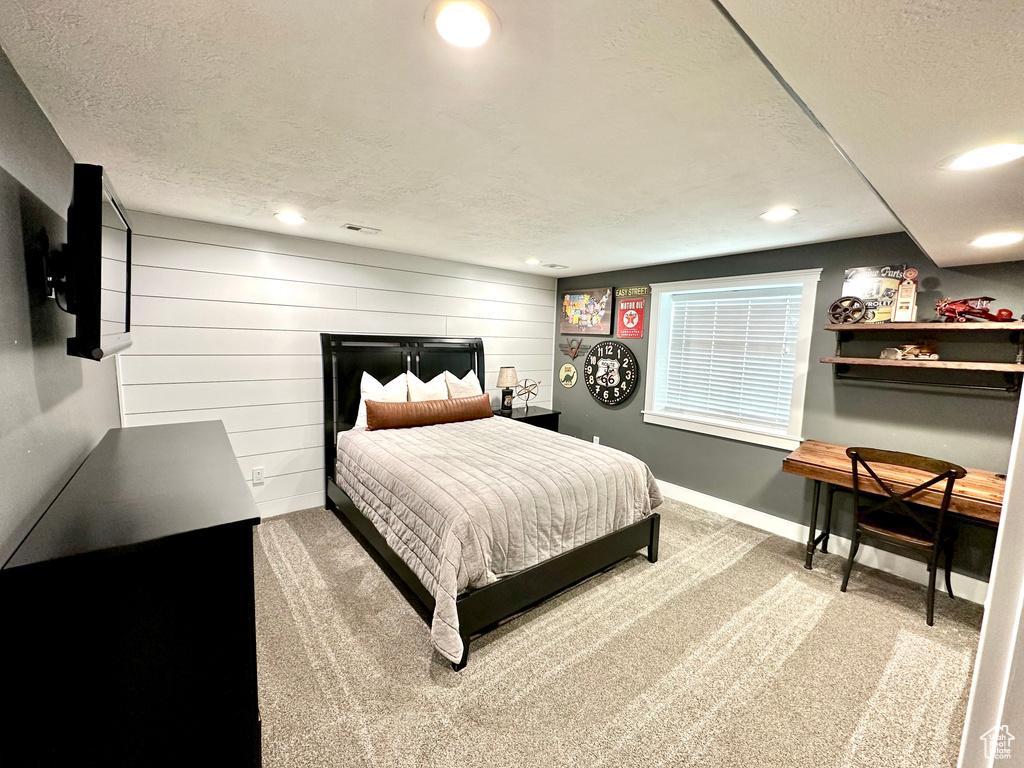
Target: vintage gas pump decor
905, 310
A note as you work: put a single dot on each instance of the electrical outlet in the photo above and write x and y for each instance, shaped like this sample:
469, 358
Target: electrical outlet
257, 475
597, 440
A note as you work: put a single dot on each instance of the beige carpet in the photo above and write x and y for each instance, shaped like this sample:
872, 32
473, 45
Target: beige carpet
725, 653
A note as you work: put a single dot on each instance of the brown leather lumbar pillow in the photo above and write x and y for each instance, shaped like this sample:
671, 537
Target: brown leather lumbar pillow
382, 415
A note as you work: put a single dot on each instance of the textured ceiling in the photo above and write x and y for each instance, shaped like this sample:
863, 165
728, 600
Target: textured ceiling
902, 85
591, 134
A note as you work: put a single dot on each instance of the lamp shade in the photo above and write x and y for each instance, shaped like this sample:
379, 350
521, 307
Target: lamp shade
507, 376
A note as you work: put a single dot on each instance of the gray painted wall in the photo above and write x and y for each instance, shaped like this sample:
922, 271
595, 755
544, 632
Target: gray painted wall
957, 425
53, 408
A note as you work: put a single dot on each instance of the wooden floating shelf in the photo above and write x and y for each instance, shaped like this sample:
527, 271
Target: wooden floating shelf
968, 326
950, 365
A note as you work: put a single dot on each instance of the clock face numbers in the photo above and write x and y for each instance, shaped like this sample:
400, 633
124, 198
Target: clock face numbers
610, 372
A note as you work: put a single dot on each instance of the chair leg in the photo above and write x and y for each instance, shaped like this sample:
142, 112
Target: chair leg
932, 568
949, 569
849, 562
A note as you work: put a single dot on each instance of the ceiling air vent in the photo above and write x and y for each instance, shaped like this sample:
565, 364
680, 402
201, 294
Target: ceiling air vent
361, 229
556, 266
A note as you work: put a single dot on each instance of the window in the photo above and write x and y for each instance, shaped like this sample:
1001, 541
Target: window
728, 356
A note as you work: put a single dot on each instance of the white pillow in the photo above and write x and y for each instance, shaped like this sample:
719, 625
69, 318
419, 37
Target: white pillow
395, 391
434, 389
467, 386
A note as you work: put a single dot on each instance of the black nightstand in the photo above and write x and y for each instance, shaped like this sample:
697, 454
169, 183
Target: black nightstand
539, 417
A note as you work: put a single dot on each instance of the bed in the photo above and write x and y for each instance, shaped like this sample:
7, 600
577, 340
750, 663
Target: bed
478, 519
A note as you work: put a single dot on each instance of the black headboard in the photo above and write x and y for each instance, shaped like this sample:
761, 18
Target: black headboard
346, 356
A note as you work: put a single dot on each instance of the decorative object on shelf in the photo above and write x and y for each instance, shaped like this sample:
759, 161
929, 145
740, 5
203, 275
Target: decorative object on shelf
632, 303
586, 311
573, 347
611, 372
876, 287
848, 309
567, 375
962, 310
507, 379
909, 352
905, 310
930, 371
526, 390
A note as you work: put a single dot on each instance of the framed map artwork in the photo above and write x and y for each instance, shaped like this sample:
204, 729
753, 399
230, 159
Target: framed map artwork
586, 312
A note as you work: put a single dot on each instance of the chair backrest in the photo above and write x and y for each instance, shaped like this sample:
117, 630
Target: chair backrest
896, 503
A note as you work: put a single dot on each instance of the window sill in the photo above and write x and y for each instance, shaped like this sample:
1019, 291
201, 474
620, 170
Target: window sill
770, 439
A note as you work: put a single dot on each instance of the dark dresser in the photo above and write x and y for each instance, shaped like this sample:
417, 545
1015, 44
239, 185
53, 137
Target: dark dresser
128, 614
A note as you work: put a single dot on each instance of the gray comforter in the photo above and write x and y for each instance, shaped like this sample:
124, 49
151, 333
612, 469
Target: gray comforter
465, 504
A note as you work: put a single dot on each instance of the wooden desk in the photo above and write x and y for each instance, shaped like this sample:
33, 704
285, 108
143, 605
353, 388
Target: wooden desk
977, 498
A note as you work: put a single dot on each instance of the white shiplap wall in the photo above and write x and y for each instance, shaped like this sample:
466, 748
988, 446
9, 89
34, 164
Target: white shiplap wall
226, 324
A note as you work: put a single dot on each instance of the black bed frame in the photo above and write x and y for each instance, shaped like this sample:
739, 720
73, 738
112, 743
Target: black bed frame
345, 357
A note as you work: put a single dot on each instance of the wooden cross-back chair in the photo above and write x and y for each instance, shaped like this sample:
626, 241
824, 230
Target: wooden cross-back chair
893, 520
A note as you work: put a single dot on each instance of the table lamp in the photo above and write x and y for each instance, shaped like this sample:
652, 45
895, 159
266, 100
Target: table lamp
507, 379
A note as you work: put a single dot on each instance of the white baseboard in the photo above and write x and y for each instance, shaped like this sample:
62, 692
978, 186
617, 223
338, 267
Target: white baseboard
914, 570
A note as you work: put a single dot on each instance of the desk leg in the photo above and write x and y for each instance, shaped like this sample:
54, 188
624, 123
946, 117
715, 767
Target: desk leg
830, 491
814, 524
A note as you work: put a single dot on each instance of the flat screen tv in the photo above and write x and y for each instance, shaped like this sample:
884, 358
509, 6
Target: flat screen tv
98, 267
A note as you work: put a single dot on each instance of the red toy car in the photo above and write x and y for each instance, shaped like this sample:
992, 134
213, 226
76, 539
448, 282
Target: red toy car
960, 310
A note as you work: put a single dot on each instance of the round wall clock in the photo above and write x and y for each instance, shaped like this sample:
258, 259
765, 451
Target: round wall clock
610, 372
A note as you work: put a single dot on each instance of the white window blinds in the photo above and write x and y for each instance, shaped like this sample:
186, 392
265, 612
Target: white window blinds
732, 354
728, 356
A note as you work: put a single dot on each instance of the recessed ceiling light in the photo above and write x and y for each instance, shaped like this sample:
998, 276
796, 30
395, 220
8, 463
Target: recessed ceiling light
986, 157
289, 217
463, 24
533, 261
997, 238
779, 214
